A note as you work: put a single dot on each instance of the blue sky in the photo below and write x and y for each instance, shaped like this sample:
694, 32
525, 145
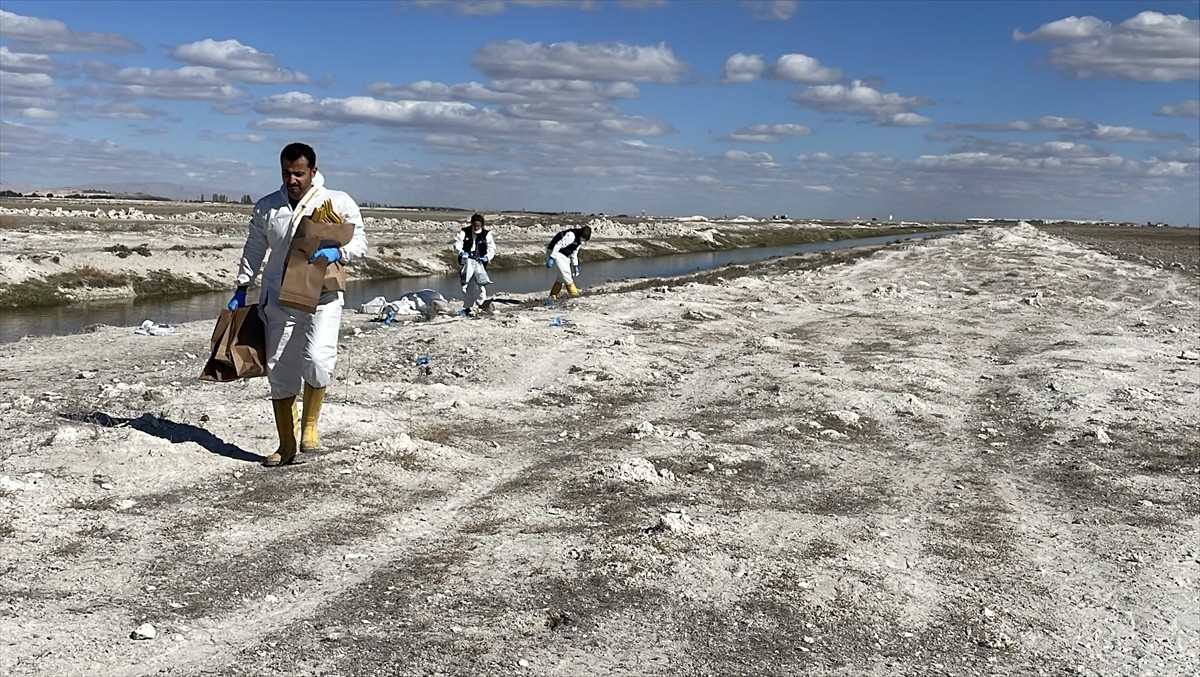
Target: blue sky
916, 110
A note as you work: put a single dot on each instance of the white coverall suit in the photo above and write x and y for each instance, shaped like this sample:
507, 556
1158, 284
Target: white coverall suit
563, 263
301, 347
474, 276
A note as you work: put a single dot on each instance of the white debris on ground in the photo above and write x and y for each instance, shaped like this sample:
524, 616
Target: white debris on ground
940, 480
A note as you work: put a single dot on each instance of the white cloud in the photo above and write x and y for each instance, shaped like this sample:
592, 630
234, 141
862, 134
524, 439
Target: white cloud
45, 158
566, 90
509, 91
118, 110
19, 62
520, 122
804, 69
1116, 133
566, 112
634, 126
237, 62
586, 5
576, 61
904, 120
1056, 123
743, 68
186, 76
860, 99
1070, 28
187, 83
1011, 126
814, 157
1179, 169
37, 113
772, 10
24, 82
1046, 123
1184, 109
466, 7
421, 90
1148, 47
1048, 149
1190, 155
225, 54
1090, 130
1063, 148
766, 133
290, 125
743, 156
278, 76
32, 34
490, 7
367, 109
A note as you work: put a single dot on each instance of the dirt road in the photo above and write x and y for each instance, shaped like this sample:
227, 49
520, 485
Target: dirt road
972, 455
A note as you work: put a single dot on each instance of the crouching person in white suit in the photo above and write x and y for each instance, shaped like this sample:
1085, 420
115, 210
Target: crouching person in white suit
562, 253
301, 346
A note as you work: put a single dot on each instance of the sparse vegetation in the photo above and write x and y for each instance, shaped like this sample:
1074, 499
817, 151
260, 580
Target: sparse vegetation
123, 251
58, 289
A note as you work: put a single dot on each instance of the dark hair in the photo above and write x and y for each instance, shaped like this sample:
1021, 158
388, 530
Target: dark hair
586, 232
295, 151
478, 217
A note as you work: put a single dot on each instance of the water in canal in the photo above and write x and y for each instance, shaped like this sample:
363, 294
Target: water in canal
59, 320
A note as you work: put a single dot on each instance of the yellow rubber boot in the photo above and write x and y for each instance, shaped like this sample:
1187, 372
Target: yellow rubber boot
310, 439
296, 418
573, 291
285, 425
556, 290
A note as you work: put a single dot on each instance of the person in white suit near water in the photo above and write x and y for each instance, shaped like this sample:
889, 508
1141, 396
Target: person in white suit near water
563, 253
301, 347
476, 248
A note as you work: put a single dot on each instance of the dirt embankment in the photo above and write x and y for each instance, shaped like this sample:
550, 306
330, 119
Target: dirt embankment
972, 455
64, 251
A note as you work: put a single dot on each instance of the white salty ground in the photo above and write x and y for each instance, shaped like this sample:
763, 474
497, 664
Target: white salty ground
973, 455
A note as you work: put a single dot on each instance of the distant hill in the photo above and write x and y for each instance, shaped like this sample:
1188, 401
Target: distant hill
159, 189
152, 190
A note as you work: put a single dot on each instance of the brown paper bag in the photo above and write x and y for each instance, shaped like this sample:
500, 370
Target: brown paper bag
303, 282
239, 346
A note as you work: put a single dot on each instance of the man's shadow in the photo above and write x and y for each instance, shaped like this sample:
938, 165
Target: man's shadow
170, 431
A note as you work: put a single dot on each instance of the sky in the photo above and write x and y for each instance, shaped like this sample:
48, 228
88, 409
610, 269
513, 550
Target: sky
919, 111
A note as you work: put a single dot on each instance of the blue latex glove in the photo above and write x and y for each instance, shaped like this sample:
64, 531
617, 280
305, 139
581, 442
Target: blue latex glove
462, 258
575, 270
550, 263
238, 300
483, 259
331, 254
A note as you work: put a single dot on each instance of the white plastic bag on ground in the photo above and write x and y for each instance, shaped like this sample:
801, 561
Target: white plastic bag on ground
426, 302
149, 328
373, 306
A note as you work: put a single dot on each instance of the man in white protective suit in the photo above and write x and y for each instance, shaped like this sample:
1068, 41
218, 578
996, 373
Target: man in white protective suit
563, 253
301, 346
476, 247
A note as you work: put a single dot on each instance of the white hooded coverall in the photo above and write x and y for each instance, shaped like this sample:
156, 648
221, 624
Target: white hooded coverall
474, 276
562, 262
301, 347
